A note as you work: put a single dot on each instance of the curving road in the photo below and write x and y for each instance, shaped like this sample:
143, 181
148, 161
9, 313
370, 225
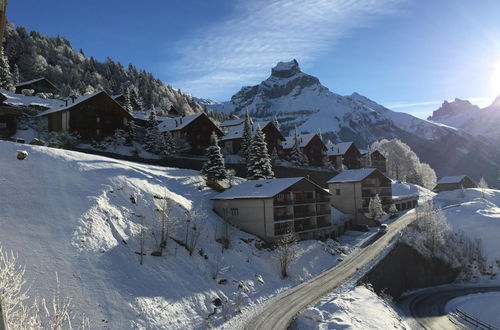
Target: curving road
280, 311
427, 306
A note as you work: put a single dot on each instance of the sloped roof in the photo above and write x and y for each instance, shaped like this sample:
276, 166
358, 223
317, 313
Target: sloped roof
236, 132
304, 140
29, 82
232, 122
337, 149
353, 175
178, 123
260, 188
451, 179
70, 104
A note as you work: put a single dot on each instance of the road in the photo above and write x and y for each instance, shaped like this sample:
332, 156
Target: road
427, 306
280, 311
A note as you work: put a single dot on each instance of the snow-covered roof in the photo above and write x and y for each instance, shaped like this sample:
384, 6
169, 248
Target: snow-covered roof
337, 149
114, 97
70, 104
22, 100
304, 140
352, 175
232, 122
451, 179
29, 82
177, 123
236, 132
261, 188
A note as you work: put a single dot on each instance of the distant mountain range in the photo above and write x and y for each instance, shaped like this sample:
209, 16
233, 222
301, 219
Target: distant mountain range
299, 99
463, 115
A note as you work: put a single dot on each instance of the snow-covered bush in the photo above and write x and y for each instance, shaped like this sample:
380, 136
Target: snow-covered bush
66, 140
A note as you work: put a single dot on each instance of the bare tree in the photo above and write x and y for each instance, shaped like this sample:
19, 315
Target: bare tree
286, 251
483, 185
164, 210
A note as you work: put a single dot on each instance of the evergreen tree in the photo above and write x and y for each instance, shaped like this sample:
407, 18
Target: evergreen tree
5, 77
259, 162
136, 99
375, 208
393, 210
154, 141
297, 157
15, 75
127, 105
247, 136
168, 144
214, 168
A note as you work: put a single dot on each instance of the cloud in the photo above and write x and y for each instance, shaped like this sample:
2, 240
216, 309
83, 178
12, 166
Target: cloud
219, 59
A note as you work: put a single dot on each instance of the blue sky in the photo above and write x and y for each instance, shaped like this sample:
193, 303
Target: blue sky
406, 54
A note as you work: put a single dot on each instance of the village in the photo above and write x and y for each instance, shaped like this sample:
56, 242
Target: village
317, 190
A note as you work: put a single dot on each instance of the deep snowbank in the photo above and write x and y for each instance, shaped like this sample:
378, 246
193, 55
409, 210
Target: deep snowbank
71, 213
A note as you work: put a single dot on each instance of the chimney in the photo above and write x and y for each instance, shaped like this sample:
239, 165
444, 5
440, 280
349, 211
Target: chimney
66, 102
176, 124
181, 120
73, 98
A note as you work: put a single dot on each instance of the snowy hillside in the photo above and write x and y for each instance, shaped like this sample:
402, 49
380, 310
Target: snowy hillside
72, 213
470, 118
297, 98
477, 217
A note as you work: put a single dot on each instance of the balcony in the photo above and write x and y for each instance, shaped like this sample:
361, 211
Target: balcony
304, 201
323, 224
298, 215
283, 217
322, 199
283, 202
298, 227
323, 212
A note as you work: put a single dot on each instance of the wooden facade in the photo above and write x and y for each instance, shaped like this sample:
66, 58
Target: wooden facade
454, 183
350, 158
376, 160
197, 132
8, 118
93, 117
41, 85
273, 138
314, 149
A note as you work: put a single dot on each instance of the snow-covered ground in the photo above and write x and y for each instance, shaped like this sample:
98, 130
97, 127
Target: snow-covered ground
476, 216
72, 213
483, 306
359, 308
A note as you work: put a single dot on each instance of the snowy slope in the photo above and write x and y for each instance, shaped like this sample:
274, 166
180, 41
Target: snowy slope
470, 118
71, 213
476, 216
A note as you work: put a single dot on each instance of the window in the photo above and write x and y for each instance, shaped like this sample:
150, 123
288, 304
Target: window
337, 191
3, 125
234, 212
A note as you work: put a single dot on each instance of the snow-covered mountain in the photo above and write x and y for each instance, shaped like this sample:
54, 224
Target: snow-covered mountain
461, 114
299, 99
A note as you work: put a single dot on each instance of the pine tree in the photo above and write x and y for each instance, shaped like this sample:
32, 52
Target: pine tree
5, 77
259, 162
153, 142
136, 99
127, 105
15, 75
168, 144
247, 136
214, 168
297, 157
375, 208
393, 210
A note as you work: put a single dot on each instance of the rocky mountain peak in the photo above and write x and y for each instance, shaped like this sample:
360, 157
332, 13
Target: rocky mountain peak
454, 107
496, 103
286, 69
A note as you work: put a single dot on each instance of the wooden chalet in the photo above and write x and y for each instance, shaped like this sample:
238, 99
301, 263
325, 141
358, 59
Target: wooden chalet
344, 153
196, 129
375, 159
232, 140
173, 112
40, 85
227, 124
92, 116
454, 182
9, 115
120, 98
311, 145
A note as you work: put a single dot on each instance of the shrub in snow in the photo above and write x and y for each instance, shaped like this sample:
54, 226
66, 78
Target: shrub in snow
258, 160
393, 210
27, 92
65, 140
22, 154
483, 185
37, 142
286, 251
213, 168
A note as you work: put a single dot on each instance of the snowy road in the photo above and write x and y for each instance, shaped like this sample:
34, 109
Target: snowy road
280, 311
428, 306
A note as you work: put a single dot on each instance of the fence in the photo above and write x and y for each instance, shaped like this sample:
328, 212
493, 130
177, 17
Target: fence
474, 321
